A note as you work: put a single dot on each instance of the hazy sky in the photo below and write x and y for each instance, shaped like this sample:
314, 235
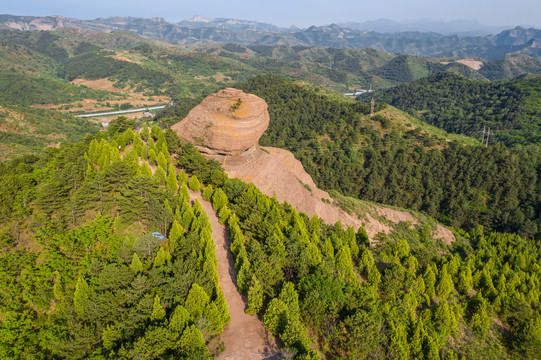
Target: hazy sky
301, 13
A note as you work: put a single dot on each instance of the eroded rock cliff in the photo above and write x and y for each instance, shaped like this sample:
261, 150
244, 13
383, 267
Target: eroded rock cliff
227, 126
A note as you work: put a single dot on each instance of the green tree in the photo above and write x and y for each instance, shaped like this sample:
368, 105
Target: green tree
179, 319
196, 301
159, 175
162, 160
81, 296
194, 183
193, 344
109, 336
445, 284
160, 259
158, 312
276, 316
255, 296
136, 265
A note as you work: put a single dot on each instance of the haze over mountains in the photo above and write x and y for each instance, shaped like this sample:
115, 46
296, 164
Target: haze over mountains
396, 38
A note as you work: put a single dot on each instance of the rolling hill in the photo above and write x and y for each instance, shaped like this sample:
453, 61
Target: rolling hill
512, 109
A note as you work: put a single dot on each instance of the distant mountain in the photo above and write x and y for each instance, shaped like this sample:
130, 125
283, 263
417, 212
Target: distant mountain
456, 27
231, 24
199, 30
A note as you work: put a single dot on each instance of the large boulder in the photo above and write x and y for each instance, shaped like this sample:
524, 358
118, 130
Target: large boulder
228, 122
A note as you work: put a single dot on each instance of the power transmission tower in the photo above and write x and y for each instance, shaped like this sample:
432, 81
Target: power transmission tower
486, 131
372, 106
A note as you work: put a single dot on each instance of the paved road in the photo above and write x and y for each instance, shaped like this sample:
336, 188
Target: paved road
119, 112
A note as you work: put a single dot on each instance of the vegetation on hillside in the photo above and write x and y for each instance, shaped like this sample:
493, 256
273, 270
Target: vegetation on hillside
81, 270
81, 274
379, 160
512, 109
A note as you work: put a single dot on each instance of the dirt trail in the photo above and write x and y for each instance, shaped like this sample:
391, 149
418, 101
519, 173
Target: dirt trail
244, 337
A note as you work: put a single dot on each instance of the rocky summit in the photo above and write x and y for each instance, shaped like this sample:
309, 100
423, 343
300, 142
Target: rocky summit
227, 123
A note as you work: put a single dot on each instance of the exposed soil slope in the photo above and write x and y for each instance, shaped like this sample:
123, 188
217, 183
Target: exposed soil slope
244, 337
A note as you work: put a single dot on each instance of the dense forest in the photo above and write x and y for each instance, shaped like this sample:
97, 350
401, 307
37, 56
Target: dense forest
370, 158
81, 274
84, 278
511, 109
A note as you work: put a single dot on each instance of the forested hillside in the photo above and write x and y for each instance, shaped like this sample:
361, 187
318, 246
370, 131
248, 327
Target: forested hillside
390, 161
512, 109
83, 277
81, 274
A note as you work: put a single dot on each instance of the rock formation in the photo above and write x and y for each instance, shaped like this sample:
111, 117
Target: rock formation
227, 123
227, 126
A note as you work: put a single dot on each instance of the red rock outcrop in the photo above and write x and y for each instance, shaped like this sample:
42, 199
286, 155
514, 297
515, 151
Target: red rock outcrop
227, 126
228, 122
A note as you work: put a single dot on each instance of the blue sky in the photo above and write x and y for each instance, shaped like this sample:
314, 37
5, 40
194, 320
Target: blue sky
301, 13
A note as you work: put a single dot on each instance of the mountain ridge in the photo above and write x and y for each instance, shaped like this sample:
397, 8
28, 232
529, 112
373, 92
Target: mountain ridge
517, 40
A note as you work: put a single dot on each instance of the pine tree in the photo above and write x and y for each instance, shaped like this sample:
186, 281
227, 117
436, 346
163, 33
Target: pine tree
244, 272
465, 280
109, 336
351, 239
146, 170
399, 345
374, 276
136, 265
179, 320
175, 235
445, 284
222, 307
290, 297
416, 341
219, 199
430, 282
451, 355
161, 160
158, 312
81, 296
207, 192
223, 214
192, 344
159, 175
196, 301
255, 296
442, 317
362, 236
367, 261
171, 181
194, 183
58, 288
152, 157
187, 218
431, 348
145, 133
160, 258
182, 177
276, 316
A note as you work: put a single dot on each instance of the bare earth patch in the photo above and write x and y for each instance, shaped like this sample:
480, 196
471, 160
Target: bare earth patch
100, 84
244, 337
474, 64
